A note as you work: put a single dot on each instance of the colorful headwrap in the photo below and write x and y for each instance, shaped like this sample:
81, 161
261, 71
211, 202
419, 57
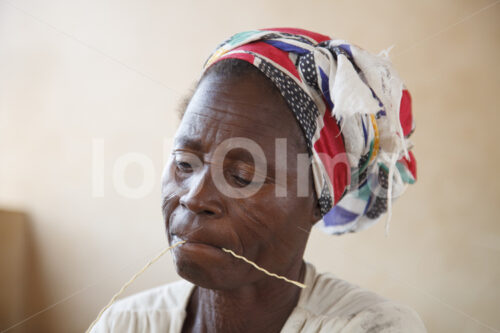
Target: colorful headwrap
354, 111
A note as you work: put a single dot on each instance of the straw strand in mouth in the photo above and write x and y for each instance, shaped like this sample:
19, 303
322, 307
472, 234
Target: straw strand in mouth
301, 285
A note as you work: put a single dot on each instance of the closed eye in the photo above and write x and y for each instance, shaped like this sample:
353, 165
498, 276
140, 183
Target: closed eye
241, 181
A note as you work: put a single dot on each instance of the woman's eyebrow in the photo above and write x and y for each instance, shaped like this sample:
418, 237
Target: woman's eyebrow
240, 155
186, 142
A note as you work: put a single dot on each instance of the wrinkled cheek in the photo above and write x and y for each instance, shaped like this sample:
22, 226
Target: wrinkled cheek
273, 219
170, 185
168, 178
271, 210
171, 191
255, 221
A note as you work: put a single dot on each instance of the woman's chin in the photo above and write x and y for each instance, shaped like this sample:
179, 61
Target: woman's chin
212, 269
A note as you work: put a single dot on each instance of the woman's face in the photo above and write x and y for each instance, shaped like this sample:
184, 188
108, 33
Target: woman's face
231, 211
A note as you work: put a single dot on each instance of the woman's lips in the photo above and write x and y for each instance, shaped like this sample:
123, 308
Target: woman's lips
192, 242
201, 249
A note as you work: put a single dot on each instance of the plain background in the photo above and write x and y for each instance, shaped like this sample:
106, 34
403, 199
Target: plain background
74, 73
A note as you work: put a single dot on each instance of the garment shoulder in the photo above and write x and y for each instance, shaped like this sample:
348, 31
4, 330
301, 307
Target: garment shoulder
335, 305
156, 309
387, 317
329, 295
167, 296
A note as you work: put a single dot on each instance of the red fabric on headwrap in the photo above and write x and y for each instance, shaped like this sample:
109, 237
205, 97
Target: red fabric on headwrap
405, 115
278, 56
243, 56
411, 164
331, 143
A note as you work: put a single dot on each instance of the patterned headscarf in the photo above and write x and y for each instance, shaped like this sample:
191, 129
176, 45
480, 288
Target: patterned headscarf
354, 111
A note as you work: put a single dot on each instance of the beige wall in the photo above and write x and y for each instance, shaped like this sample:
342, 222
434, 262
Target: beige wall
73, 72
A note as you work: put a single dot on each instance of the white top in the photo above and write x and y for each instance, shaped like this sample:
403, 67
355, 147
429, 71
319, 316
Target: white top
328, 304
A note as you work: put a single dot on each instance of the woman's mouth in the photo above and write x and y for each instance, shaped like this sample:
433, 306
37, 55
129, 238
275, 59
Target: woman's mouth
194, 243
203, 245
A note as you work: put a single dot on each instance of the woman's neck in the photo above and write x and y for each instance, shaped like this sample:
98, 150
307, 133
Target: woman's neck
261, 307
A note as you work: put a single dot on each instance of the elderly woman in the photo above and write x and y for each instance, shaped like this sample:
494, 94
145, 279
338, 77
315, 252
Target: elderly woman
287, 129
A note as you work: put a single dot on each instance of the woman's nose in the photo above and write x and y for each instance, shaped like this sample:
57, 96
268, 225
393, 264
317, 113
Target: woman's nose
202, 196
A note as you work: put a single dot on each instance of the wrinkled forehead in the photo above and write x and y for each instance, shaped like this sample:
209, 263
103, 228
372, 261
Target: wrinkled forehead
223, 108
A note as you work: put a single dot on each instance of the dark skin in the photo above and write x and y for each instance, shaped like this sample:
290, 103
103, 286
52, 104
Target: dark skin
231, 295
